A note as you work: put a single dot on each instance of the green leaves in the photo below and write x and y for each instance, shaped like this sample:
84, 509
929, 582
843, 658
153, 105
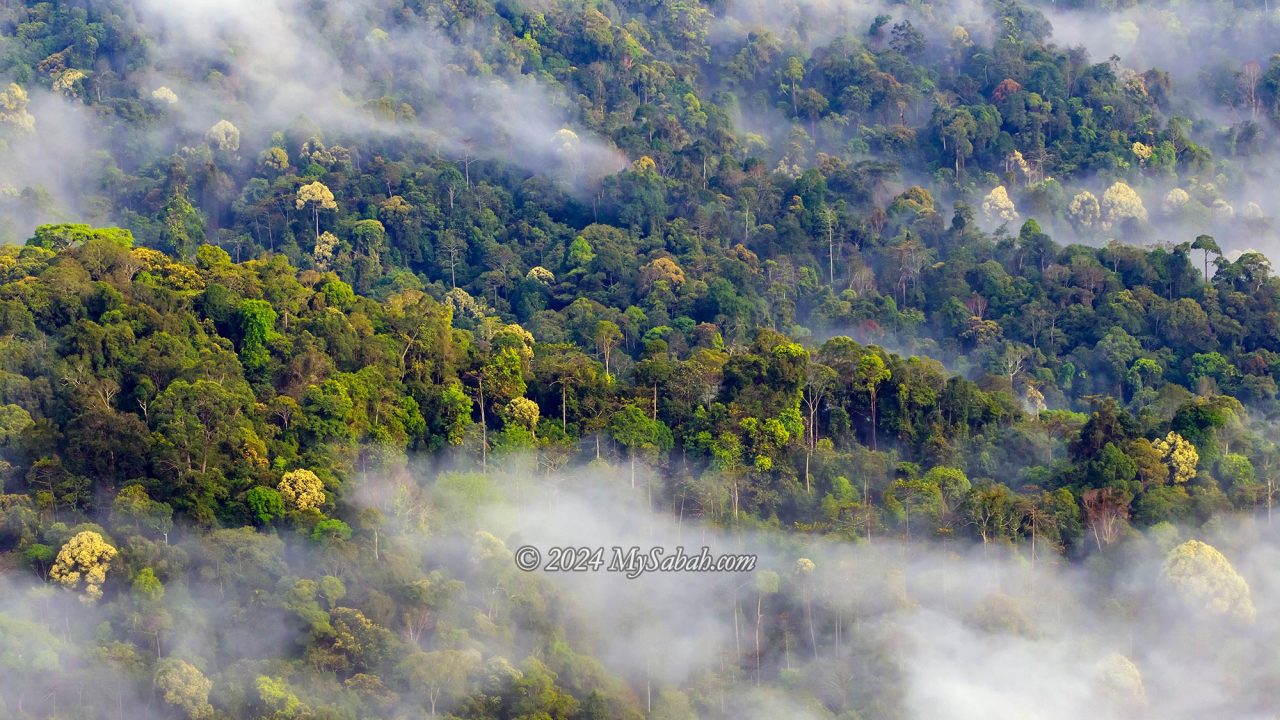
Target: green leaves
64, 236
257, 326
266, 504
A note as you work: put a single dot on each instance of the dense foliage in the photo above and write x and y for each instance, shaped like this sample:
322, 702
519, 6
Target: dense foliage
854, 323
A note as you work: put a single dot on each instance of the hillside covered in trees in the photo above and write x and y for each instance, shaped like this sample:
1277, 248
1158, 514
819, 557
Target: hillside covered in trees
959, 317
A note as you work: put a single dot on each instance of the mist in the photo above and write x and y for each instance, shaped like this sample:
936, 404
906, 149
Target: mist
264, 65
49, 174
968, 630
932, 628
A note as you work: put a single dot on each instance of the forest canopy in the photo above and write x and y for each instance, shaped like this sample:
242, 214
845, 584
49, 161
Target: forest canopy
960, 315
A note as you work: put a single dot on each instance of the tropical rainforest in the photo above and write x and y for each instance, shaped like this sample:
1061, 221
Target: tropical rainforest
958, 314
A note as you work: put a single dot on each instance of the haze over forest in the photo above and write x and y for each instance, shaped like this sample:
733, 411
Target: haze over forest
959, 315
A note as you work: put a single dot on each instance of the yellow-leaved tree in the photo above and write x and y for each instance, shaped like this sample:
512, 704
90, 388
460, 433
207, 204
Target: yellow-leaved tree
164, 95
1120, 682
541, 275
1175, 200
1179, 454
13, 108
224, 136
301, 489
83, 563
523, 413
1085, 210
1121, 202
319, 197
1206, 580
663, 269
998, 207
325, 250
185, 687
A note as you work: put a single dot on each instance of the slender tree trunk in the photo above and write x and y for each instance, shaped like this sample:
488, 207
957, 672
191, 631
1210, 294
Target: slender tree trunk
759, 622
484, 433
737, 630
813, 633
874, 444
1034, 533
866, 507
831, 256
1270, 496
648, 687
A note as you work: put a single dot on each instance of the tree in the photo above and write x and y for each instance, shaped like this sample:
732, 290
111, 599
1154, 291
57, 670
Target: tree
301, 489
454, 245
819, 381
134, 509
273, 160
1118, 348
1120, 682
991, 509
331, 531
607, 335
951, 482
523, 413
182, 685
1208, 245
1085, 211
830, 219
442, 673
319, 197
29, 656
1120, 202
83, 562
224, 137
257, 327
1105, 510
275, 695
1179, 454
635, 430
767, 583
906, 39
564, 366
868, 375
13, 109
69, 235
959, 130
323, 252
917, 502
358, 643
1207, 582
662, 269
580, 253
498, 382
1143, 374
997, 206
266, 503
197, 419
